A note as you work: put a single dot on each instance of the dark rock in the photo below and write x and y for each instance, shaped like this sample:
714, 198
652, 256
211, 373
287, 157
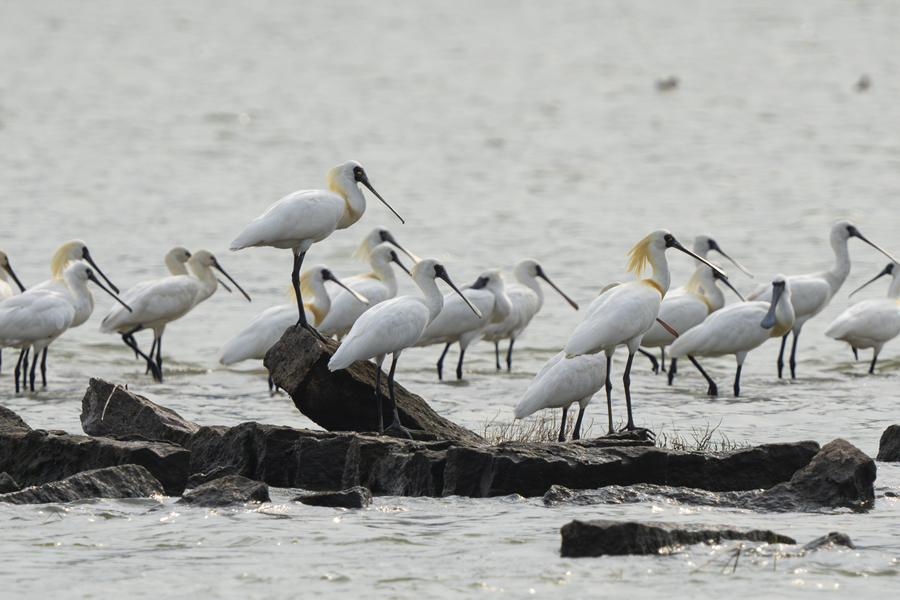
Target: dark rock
889, 445
10, 422
840, 475
835, 538
38, 457
645, 492
396, 467
598, 538
201, 478
111, 410
345, 400
7, 484
227, 491
123, 481
530, 469
355, 497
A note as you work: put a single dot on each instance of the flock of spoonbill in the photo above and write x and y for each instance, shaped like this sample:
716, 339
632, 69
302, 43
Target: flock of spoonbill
691, 320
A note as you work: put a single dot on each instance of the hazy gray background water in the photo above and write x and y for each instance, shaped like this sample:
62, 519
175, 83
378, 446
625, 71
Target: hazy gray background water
498, 130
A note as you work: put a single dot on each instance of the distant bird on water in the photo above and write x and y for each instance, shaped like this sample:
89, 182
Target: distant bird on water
305, 217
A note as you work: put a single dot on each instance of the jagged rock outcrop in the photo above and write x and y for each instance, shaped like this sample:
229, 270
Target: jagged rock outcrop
889, 445
345, 400
355, 497
227, 491
108, 409
598, 538
124, 481
7, 484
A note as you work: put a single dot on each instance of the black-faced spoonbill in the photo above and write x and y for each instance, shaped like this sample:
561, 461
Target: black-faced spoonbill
157, 303
737, 329
871, 323
625, 312
393, 326
458, 324
266, 328
305, 217
562, 382
37, 318
6, 290
812, 292
527, 298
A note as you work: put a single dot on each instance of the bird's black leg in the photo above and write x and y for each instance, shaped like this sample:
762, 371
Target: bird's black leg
396, 423
737, 381
792, 363
19, 367
152, 350
626, 382
855, 355
158, 356
44, 367
562, 428
497, 354
872, 367
295, 280
662, 359
25, 367
509, 354
655, 365
34, 370
462, 352
612, 429
672, 370
271, 383
780, 362
713, 388
1, 361
129, 340
440, 362
576, 434
378, 401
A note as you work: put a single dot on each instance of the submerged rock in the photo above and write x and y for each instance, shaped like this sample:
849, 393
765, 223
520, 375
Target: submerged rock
598, 538
124, 481
345, 400
889, 445
645, 492
355, 497
835, 538
111, 410
227, 491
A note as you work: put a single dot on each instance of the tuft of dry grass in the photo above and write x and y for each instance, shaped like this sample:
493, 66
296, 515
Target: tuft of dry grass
700, 439
544, 427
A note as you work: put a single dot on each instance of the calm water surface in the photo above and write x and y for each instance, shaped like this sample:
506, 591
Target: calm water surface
499, 131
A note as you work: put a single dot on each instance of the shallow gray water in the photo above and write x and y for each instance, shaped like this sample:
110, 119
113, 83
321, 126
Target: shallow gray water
498, 131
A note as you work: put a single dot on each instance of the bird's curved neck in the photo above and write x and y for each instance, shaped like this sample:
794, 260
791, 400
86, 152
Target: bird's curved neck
841, 262
784, 316
321, 302
354, 204
384, 273
660, 275
175, 266
714, 295
207, 279
82, 299
434, 300
894, 290
534, 285
502, 306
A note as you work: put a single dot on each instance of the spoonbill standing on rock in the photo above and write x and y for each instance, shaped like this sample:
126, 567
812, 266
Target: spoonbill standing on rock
393, 326
305, 217
6, 290
527, 298
37, 318
156, 303
871, 323
812, 292
625, 312
737, 329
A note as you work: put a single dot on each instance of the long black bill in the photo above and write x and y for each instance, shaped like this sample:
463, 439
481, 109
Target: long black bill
540, 273
87, 257
725, 281
9, 270
222, 283
365, 181
221, 270
479, 283
855, 233
329, 276
888, 270
714, 246
671, 242
93, 278
442, 273
386, 236
769, 320
397, 260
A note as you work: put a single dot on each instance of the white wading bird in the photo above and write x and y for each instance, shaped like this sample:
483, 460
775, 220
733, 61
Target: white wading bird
37, 318
703, 245
527, 298
686, 309
871, 323
6, 290
393, 326
562, 382
812, 292
625, 312
458, 324
266, 328
305, 217
737, 329
377, 286
157, 303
